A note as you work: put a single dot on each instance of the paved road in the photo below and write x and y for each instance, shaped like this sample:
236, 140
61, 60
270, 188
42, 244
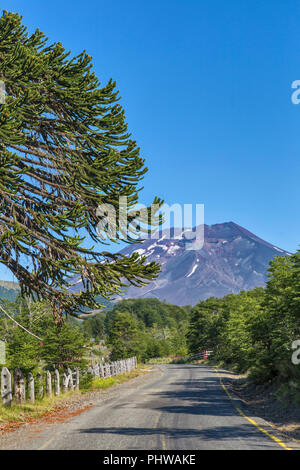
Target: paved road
184, 408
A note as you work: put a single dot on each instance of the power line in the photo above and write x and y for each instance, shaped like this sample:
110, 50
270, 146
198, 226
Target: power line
15, 321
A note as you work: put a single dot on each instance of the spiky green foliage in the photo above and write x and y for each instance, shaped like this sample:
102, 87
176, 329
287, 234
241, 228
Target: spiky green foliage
64, 150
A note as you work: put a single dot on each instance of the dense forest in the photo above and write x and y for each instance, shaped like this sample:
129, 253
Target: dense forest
254, 331
146, 328
160, 328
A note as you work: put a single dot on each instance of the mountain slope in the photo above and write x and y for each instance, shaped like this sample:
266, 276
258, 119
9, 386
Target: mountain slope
232, 259
9, 290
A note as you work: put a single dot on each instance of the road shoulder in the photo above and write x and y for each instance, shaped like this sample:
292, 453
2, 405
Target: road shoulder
261, 404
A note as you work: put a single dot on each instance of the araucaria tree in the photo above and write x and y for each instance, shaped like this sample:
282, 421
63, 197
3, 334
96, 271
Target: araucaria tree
64, 150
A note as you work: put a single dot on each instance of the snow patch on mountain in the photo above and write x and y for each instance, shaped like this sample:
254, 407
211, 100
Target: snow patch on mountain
140, 251
193, 270
173, 249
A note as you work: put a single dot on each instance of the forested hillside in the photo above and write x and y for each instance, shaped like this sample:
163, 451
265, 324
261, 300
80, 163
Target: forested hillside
146, 328
6, 293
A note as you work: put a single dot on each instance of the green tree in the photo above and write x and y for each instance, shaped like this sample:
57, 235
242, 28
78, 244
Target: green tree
281, 320
125, 337
239, 343
93, 327
23, 350
152, 312
65, 150
207, 319
162, 326
60, 345
63, 346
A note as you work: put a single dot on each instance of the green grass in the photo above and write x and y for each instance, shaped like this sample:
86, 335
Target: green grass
168, 360
161, 360
118, 379
29, 410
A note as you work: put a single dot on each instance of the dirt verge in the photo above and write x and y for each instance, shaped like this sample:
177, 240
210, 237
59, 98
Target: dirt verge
263, 401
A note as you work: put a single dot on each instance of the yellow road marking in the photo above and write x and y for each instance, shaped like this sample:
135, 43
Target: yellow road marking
49, 441
162, 437
163, 440
252, 421
157, 421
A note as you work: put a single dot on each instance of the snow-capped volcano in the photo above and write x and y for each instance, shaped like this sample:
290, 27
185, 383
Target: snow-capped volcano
231, 259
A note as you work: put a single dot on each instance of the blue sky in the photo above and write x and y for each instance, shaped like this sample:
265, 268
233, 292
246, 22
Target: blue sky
207, 91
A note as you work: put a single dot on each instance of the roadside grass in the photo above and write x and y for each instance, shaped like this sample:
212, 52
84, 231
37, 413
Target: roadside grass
178, 360
118, 379
21, 413
166, 360
160, 360
48, 405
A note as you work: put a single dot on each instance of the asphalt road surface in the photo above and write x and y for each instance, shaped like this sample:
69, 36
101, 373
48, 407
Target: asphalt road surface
183, 408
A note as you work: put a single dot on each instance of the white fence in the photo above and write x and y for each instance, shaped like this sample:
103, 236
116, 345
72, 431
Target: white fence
201, 355
113, 368
21, 390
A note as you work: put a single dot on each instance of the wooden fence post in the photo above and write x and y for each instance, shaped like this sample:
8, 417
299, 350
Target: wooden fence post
48, 383
70, 379
77, 376
65, 382
19, 386
96, 370
6, 391
40, 385
56, 383
30, 388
